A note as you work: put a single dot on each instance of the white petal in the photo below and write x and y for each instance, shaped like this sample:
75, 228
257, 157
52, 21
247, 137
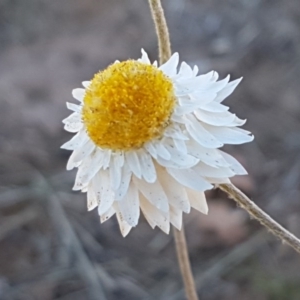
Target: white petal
125, 180
133, 163
175, 133
216, 119
210, 76
104, 194
237, 122
198, 200
86, 83
147, 166
77, 141
229, 135
214, 107
211, 157
215, 76
144, 59
186, 109
84, 189
151, 149
180, 145
129, 206
124, 226
219, 85
73, 127
196, 82
227, 91
168, 163
91, 198
177, 119
85, 150
154, 216
107, 215
203, 97
106, 159
170, 67
114, 173
119, 158
78, 94
201, 135
181, 159
217, 180
189, 178
205, 84
195, 70
235, 166
153, 192
162, 151
210, 86
71, 164
73, 118
180, 90
90, 166
83, 169
207, 171
185, 70
178, 161
185, 100
149, 219
176, 217
74, 107
175, 192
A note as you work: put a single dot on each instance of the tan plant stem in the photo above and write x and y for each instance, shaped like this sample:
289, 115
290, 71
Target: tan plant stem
162, 31
164, 46
184, 264
257, 213
233, 192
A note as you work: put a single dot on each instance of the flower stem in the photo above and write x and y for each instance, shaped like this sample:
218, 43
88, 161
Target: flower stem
232, 191
184, 263
257, 213
164, 47
162, 30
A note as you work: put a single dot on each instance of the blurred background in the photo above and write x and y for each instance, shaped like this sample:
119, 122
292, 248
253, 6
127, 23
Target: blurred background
50, 247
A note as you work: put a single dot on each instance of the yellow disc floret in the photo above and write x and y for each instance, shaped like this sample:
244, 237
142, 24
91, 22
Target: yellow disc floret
127, 105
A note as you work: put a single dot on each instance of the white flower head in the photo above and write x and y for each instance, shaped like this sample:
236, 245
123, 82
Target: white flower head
148, 138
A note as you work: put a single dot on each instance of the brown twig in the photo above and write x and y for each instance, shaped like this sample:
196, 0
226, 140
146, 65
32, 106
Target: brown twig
184, 263
162, 31
257, 213
226, 261
164, 46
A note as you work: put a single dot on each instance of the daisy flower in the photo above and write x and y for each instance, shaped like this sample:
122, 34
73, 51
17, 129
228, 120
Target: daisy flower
148, 138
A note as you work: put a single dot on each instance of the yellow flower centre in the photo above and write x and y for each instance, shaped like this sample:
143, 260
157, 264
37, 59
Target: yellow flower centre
127, 105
